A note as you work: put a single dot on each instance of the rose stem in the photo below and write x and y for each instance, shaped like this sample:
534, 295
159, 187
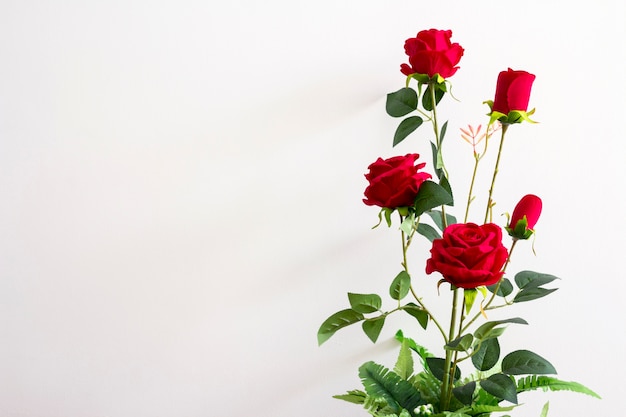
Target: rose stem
495, 173
406, 241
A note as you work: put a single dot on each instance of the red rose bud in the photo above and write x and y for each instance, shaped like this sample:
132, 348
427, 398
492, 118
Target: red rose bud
513, 92
469, 255
394, 182
431, 52
525, 216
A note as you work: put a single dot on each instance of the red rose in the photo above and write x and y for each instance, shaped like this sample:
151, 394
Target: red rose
513, 91
394, 182
525, 217
469, 255
431, 52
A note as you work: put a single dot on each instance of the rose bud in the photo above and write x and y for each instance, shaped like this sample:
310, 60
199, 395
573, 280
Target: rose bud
394, 182
513, 93
525, 216
431, 52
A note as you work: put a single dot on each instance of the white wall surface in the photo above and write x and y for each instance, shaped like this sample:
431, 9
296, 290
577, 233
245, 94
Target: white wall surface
181, 184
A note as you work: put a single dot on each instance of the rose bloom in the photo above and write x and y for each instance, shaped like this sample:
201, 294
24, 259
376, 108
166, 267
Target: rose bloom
529, 206
469, 255
513, 91
394, 182
431, 52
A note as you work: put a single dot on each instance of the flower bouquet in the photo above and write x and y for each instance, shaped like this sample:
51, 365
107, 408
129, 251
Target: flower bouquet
469, 258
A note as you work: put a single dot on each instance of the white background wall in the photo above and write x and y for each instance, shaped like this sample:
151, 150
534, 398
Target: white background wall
181, 184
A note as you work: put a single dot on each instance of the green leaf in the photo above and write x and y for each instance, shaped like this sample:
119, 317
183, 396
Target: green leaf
470, 296
420, 350
529, 294
428, 231
337, 321
544, 410
427, 98
465, 393
418, 312
534, 382
486, 330
429, 196
401, 102
437, 160
443, 181
461, 344
442, 133
406, 127
531, 279
404, 364
353, 396
408, 223
381, 383
400, 286
501, 386
526, 362
372, 327
437, 367
505, 288
365, 303
487, 355
437, 218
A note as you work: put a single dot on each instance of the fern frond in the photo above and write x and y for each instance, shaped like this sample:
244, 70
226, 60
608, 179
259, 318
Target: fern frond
354, 396
533, 382
428, 386
381, 383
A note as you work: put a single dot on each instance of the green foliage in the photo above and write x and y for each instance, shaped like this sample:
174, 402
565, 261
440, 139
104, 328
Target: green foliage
365, 303
401, 102
465, 393
428, 231
545, 383
418, 312
500, 386
504, 289
461, 343
530, 285
437, 366
437, 218
381, 383
400, 286
488, 329
372, 327
404, 364
429, 196
406, 127
526, 362
544, 410
427, 98
337, 321
487, 354
353, 396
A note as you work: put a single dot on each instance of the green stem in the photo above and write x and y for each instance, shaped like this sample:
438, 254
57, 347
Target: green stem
495, 173
448, 378
439, 156
471, 189
406, 242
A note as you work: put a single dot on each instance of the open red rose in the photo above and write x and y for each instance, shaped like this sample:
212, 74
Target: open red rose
394, 182
513, 91
469, 255
431, 52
